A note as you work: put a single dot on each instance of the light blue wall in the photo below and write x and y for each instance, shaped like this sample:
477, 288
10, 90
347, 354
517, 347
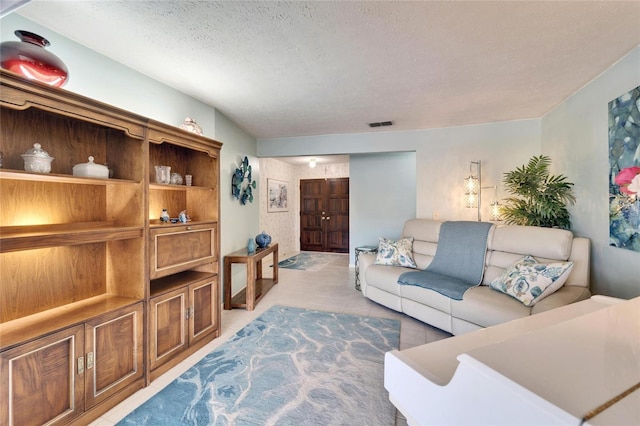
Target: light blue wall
575, 135
239, 223
444, 156
98, 77
382, 196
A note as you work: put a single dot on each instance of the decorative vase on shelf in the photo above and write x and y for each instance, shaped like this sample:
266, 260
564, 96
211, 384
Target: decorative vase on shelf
164, 216
263, 240
29, 58
251, 246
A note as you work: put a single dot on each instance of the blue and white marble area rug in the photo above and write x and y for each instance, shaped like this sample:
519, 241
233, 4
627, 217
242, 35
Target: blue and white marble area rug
309, 261
290, 366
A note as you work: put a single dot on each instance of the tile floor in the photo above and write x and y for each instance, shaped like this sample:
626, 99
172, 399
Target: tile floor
330, 289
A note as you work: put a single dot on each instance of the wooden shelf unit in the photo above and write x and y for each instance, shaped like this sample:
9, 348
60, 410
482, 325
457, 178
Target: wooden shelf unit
184, 305
75, 288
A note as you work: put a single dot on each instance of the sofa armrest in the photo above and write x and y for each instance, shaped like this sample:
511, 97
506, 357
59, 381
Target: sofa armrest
564, 296
364, 261
581, 258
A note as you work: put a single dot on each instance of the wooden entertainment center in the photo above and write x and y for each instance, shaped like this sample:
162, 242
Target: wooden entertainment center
97, 296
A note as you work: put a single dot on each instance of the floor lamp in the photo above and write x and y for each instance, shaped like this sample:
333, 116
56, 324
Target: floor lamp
473, 192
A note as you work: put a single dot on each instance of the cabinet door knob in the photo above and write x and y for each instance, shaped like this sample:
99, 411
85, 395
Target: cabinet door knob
89, 360
81, 365
189, 228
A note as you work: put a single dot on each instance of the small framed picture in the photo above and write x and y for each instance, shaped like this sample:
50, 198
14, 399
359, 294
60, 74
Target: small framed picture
278, 196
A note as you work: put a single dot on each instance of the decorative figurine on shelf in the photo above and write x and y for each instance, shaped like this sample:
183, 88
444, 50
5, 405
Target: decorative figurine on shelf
183, 217
164, 216
191, 126
263, 240
175, 179
251, 246
239, 193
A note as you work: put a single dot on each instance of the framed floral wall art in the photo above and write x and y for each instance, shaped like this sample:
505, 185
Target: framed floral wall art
278, 196
624, 171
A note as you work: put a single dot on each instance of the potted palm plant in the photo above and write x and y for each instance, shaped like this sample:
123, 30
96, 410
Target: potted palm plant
538, 198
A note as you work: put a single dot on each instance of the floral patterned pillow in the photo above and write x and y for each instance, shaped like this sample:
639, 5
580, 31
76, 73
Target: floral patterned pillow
396, 253
530, 281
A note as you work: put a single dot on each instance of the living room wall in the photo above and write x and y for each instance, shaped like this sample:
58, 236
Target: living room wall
575, 136
380, 203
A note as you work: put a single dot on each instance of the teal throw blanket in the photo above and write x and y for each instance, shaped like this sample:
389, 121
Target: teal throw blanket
459, 261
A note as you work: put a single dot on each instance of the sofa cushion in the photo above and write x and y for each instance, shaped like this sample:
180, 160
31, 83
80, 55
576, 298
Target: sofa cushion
432, 299
549, 243
422, 229
385, 277
530, 281
451, 287
396, 253
486, 307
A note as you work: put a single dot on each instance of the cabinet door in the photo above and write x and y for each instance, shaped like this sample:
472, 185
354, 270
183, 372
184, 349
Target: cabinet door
168, 326
203, 318
113, 353
178, 248
41, 382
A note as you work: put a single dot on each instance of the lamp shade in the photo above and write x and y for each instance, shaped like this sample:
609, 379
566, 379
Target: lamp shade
471, 185
471, 201
496, 212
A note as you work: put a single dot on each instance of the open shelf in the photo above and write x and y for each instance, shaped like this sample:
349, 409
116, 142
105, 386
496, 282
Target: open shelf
173, 282
170, 187
61, 178
263, 285
15, 238
24, 329
157, 224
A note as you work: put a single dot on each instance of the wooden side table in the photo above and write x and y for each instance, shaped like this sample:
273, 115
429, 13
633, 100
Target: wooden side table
257, 286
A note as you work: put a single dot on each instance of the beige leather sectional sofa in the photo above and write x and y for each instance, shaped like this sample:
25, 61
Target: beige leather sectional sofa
481, 306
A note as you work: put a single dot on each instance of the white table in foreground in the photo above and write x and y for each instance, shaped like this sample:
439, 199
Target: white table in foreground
564, 366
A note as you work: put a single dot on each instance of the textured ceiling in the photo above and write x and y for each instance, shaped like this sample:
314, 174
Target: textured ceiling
304, 68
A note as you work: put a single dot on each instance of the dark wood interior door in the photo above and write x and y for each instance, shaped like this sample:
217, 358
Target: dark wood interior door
324, 215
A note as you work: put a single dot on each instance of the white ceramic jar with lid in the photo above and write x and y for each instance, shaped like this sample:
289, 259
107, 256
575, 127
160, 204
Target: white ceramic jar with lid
91, 169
